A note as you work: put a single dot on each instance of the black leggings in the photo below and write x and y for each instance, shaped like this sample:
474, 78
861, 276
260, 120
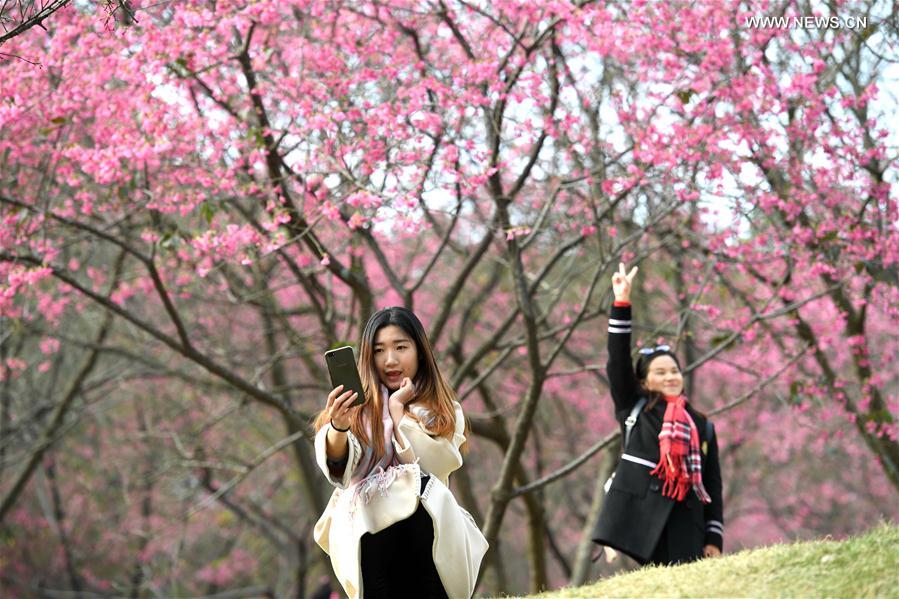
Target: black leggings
397, 562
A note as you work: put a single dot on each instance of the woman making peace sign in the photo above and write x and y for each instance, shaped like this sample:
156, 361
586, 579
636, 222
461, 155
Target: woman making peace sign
664, 505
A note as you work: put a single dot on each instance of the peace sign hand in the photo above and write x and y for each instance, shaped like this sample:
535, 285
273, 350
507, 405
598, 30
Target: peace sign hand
621, 283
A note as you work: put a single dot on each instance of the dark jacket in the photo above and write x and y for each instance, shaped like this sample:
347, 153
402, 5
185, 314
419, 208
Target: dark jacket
635, 515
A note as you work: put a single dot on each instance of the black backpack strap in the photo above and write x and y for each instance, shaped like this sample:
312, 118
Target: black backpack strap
709, 433
631, 420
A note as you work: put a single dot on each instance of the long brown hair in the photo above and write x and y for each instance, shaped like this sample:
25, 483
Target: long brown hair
431, 389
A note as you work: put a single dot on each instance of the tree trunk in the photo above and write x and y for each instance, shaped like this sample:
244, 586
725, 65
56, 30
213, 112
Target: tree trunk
581, 571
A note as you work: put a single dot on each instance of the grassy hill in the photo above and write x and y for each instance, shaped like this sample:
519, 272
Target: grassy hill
865, 566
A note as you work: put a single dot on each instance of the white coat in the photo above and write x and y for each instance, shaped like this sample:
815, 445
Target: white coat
387, 497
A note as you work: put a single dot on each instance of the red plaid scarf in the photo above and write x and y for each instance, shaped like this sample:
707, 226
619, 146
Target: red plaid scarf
680, 463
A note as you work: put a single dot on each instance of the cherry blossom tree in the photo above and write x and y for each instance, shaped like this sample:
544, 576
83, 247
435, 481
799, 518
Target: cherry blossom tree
198, 200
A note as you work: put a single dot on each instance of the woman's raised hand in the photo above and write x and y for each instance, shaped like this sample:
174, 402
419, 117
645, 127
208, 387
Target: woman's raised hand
405, 393
621, 283
338, 406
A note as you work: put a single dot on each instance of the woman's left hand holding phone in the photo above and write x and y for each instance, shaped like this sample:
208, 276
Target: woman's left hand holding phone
339, 406
341, 416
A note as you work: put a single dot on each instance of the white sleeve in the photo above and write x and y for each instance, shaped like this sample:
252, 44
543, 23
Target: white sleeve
437, 455
354, 453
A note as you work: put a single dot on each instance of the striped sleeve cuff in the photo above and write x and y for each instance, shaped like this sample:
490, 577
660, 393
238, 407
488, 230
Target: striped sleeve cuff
617, 325
714, 533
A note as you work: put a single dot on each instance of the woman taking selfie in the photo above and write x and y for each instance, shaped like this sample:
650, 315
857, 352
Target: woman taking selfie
664, 505
390, 459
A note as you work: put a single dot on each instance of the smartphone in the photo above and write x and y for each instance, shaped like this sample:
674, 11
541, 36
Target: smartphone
343, 371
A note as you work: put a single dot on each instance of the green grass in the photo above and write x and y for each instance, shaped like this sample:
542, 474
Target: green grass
864, 566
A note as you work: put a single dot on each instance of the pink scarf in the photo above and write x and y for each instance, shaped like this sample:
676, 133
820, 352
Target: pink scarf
680, 462
368, 465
